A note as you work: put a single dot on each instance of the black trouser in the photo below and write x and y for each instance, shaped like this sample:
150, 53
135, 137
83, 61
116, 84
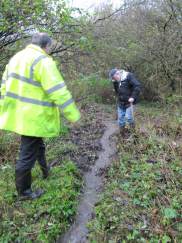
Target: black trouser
31, 149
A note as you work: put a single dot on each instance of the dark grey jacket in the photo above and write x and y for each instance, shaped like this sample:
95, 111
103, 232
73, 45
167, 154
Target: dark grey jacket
126, 88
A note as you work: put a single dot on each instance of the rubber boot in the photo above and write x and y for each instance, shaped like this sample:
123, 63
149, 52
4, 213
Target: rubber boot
30, 195
23, 186
22, 180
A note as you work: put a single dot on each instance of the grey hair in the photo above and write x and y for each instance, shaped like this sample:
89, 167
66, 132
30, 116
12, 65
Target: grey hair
41, 39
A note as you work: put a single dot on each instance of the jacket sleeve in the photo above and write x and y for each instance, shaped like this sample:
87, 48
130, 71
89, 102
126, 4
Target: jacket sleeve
56, 89
136, 86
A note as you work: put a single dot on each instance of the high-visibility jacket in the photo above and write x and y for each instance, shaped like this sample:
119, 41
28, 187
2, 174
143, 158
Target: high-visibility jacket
32, 93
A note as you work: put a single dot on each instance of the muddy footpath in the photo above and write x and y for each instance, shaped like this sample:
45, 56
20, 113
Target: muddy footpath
96, 148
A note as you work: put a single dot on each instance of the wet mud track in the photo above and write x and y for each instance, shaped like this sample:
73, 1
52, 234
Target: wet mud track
93, 185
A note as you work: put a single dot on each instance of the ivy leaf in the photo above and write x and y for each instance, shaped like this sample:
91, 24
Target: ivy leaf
170, 213
166, 239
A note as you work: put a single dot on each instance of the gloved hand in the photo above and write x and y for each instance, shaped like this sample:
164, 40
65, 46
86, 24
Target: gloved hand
131, 100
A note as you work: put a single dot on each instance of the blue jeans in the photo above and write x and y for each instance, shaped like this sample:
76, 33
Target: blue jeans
125, 114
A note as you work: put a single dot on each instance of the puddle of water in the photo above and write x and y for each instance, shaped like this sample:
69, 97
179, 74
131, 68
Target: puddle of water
93, 183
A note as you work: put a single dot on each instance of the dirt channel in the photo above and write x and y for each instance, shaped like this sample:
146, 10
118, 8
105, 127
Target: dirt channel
93, 178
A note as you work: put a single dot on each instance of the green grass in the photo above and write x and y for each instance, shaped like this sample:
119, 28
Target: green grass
143, 195
141, 201
46, 218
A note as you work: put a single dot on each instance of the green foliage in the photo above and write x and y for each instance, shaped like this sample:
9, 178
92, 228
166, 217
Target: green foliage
93, 88
170, 213
142, 37
142, 199
19, 19
10, 141
28, 12
44, 219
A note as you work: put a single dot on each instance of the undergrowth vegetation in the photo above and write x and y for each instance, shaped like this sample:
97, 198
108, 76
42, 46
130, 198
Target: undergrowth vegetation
143, 194
93, 88
72, 153
142, 198
44, 219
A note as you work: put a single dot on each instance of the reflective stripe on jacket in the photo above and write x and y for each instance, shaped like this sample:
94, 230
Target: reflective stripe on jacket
32, 93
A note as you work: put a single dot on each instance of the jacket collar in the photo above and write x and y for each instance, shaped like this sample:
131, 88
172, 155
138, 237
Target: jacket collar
123, 74
37, 48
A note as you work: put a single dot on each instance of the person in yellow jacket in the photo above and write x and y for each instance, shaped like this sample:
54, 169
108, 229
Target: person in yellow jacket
32, 94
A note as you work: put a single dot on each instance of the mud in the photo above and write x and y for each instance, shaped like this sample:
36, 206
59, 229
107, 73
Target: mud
93, 185
86, 138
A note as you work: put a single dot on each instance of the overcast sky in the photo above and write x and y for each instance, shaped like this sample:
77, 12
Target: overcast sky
89, 4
